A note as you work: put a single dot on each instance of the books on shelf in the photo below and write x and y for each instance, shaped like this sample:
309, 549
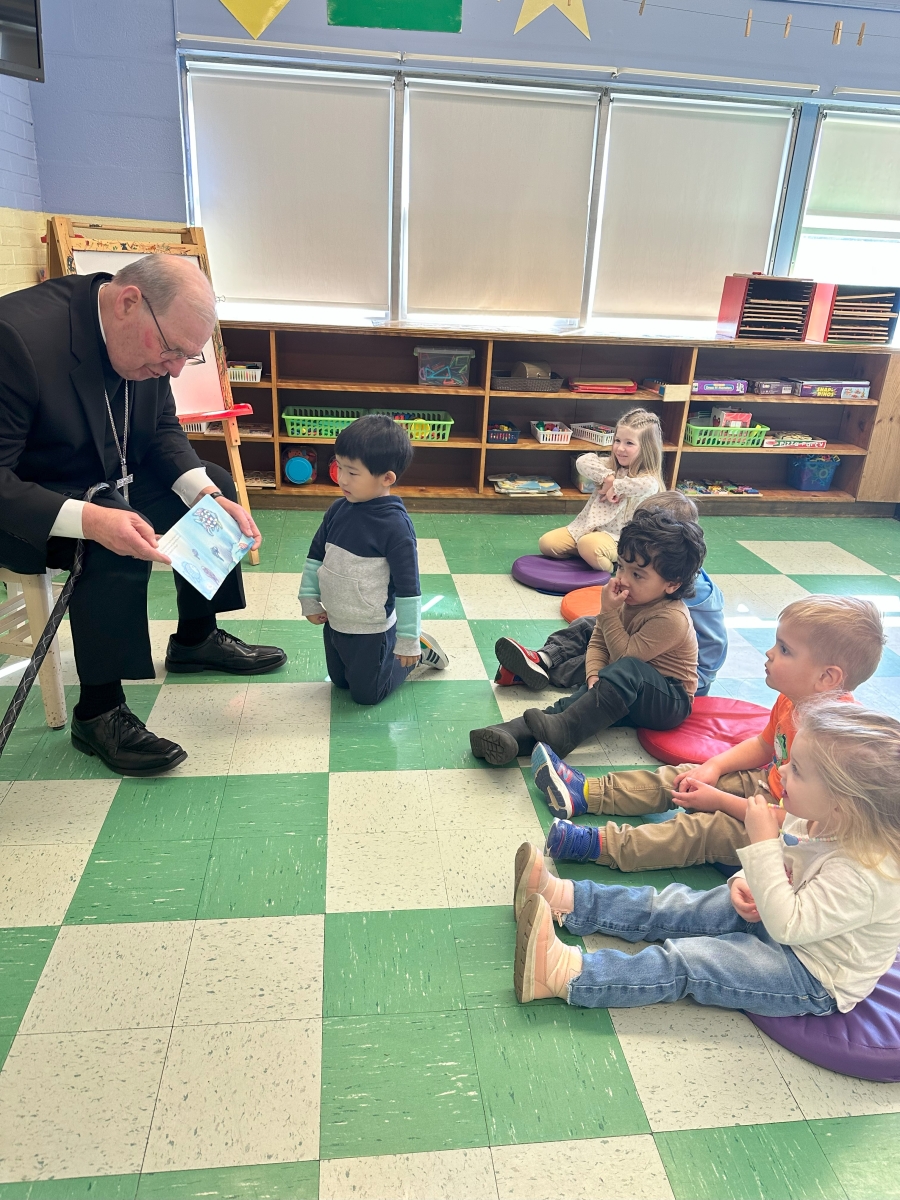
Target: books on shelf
525, 485
777, 438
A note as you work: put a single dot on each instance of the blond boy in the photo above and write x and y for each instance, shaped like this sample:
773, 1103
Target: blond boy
823, 644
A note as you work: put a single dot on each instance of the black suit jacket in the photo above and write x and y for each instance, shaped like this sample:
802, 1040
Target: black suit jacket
53, 417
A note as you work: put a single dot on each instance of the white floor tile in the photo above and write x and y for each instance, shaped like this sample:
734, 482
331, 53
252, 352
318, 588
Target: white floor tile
282, 604
820, 1093
476, 799
438, 1175
593, 1169
208, 747
55, 811
384, 871
512, 701
491, 598
623, 749
77, 1104
4, 790
160, 632
235, 1095
456, 640
263, 969
361, 802
257, 585
37, 883
810, 558
539, 606
204, 704
478, 868
743, 660
431, 557
758, 596
110, 977
677, 1055
279, 749
302, 706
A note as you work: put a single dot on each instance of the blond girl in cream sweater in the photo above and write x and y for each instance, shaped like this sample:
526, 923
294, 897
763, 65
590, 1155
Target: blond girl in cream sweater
631, 473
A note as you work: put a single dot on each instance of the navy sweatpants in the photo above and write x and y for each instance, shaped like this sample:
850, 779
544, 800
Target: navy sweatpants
364, 662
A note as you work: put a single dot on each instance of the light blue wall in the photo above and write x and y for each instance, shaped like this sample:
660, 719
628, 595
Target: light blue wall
19, 186
107, 120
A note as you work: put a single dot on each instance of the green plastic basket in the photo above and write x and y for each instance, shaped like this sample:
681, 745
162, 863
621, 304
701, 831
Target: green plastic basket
422, 426
318, 422
714, 435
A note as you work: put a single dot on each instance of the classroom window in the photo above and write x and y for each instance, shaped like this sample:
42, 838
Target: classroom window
499, 189
291, 176
692, 193
850, 231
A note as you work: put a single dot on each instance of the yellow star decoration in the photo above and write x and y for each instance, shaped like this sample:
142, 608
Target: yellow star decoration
573, 9
255, 15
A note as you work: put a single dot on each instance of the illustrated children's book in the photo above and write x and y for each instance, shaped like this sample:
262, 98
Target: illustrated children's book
205, 546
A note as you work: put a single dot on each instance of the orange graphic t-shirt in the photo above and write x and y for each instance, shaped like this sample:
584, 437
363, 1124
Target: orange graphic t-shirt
779, 732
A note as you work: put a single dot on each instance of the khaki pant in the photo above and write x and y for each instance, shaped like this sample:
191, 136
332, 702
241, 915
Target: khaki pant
597, 549
684, 841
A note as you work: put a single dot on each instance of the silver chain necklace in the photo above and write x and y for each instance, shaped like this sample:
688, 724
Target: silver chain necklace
121, 447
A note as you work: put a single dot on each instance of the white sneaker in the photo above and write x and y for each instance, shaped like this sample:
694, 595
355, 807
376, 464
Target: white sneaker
432, 654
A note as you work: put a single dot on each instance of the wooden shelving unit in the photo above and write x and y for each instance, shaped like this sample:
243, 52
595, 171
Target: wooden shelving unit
376, 368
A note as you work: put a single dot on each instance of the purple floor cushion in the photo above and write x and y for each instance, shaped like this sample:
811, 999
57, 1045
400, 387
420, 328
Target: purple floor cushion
864, 1042
556, 575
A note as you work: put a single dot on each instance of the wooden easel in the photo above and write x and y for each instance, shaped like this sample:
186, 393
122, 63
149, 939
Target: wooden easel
188, 240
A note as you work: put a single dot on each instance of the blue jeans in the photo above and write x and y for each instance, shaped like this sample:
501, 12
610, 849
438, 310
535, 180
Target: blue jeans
714, 955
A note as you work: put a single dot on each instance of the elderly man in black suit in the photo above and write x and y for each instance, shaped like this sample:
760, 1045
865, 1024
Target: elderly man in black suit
85, 397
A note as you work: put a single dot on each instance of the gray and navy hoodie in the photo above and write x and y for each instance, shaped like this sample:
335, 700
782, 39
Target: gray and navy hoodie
363, 571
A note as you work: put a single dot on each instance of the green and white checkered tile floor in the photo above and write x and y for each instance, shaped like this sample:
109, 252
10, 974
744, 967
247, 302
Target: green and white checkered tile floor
284, 970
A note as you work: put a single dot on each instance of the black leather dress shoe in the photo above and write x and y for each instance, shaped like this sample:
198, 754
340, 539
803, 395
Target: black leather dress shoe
125, 744
222, 651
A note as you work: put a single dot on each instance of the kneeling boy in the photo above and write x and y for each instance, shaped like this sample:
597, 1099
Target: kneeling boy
823, 645
641, 662
361, 579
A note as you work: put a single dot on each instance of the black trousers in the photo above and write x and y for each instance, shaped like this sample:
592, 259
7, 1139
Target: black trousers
108, 611
654, 701
364, 662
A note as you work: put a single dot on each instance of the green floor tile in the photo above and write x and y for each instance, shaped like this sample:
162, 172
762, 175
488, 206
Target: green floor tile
397, 708
749, 1162
302, 643
729, 558
140, 698
18, 751
399, 1085
162, 602
23, 953
864, 1153
486, 949
553, 1073
446, 747
170, 810
439, 599
140, 881
282, 876
701, 879
98, 1187
54, 757
390, 747
5, 1047
268, 805
469, 703
465, 559
270, 1181
390, 962
851, 585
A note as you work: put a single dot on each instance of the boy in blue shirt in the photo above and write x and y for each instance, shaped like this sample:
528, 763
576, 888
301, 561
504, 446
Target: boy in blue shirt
361, 578
560, 661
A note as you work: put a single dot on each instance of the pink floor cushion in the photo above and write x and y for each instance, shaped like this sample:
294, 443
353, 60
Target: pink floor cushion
556, 576
716, 724
864, 1042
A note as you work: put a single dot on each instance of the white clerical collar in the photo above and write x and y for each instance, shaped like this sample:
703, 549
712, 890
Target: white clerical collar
99, 315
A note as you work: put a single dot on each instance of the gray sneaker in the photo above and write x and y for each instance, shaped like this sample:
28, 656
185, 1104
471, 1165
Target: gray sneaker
432, 654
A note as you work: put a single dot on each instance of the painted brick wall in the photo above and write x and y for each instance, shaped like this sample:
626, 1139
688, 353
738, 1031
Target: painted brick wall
21, 219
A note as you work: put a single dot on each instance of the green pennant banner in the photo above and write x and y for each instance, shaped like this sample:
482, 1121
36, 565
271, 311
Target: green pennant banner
441, 16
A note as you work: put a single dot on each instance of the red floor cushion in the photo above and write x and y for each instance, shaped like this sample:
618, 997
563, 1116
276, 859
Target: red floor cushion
585, 602
864, 1042
716, 724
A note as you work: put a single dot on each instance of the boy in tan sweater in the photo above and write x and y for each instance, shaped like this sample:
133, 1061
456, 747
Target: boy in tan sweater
641, 662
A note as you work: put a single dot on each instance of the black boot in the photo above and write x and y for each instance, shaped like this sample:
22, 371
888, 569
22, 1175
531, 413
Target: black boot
501, 744
591, 713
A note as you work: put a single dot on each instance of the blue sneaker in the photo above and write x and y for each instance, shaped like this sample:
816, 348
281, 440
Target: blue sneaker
564, 788
573, 843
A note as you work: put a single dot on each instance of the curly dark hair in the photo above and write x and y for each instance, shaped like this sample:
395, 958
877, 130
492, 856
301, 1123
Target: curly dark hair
674, 549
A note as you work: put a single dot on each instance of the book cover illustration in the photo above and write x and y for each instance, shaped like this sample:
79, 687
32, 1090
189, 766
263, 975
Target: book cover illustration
205, 545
